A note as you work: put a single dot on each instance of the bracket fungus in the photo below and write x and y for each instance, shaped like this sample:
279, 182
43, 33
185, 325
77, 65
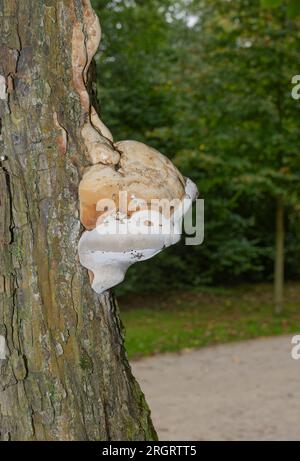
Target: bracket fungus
131, 212
132, 198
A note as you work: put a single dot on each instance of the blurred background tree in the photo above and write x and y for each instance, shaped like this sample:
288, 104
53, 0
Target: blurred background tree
208, 83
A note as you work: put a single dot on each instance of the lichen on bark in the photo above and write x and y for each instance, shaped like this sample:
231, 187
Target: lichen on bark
65, 375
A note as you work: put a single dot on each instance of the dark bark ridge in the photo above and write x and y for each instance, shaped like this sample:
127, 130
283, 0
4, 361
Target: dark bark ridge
63, 368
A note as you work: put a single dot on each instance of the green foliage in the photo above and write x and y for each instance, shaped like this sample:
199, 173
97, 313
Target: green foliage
207, 82
184, 320
293, 6
270, 3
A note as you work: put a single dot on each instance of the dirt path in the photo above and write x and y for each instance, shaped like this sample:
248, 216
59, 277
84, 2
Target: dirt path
242, 391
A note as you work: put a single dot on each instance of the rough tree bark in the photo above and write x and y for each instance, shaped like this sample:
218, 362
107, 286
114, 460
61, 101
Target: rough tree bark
64, 374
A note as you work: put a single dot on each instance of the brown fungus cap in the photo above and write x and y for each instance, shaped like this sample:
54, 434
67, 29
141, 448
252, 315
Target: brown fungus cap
143, 172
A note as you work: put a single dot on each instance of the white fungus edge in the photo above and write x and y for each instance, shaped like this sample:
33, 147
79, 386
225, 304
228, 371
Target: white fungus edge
108, 266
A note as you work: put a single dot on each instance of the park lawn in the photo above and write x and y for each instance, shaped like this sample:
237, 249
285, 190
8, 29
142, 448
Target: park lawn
184, 320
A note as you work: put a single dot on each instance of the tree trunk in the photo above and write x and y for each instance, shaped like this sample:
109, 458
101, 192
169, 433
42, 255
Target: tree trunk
279, 257
64, 374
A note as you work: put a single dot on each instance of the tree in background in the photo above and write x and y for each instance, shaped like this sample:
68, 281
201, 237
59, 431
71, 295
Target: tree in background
215, 96
292, 11
250, 120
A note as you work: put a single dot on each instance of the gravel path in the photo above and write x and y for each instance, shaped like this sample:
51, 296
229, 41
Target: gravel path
242, 391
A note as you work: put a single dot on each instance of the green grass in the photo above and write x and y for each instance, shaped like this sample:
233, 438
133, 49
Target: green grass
184, 320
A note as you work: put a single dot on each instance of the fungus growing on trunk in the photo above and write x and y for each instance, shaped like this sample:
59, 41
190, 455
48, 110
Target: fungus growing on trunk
142, 172
120, 234
108, 254
132, 198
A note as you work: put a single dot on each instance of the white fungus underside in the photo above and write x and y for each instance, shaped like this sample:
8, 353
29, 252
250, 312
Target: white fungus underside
97, 247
